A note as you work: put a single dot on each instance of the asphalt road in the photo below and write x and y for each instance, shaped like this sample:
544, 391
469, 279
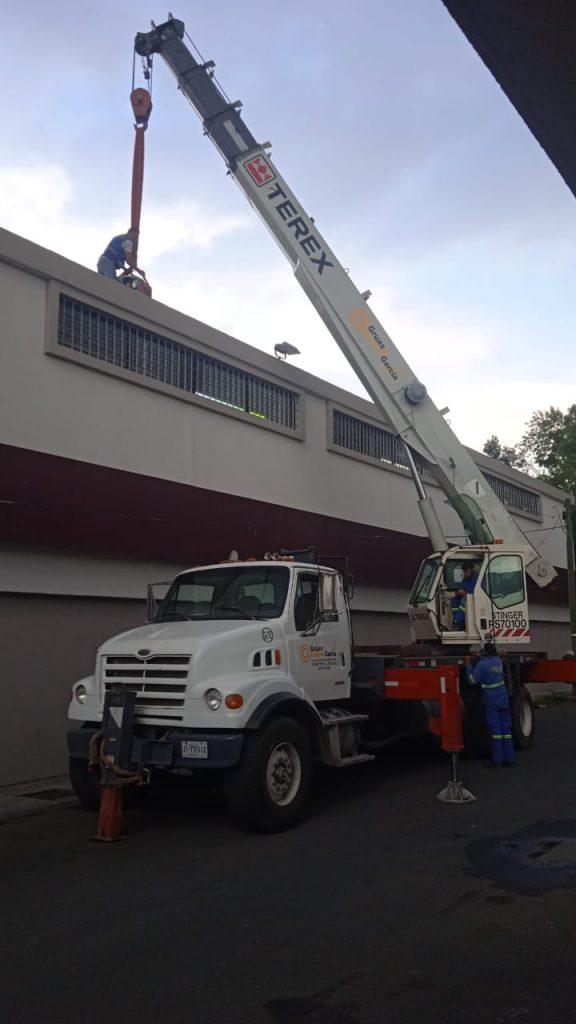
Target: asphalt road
383, 906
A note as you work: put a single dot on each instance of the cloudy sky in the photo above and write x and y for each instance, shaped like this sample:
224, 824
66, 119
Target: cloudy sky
388, 128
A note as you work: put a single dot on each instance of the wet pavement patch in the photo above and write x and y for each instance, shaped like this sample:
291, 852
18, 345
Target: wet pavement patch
532, 861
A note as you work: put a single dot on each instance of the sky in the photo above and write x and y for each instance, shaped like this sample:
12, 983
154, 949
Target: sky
391, 132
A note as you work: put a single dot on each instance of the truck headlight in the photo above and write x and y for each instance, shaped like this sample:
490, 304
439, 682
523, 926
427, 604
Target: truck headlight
80, 693
213, 699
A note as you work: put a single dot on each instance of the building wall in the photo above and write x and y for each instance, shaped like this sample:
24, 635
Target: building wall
64, 403
47, 643
109, 480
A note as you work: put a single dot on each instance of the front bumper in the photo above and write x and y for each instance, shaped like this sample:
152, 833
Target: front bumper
192, 749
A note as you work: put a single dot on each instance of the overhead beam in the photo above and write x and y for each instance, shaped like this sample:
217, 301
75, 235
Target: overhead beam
529, 46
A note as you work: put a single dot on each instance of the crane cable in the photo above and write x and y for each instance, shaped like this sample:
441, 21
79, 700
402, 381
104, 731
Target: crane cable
141, 102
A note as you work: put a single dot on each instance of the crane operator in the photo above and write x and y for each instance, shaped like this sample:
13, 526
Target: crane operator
467, 586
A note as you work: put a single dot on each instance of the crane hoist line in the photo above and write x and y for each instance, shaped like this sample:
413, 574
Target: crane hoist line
141, 103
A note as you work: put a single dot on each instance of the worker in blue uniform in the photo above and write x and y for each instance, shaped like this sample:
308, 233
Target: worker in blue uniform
114, 256
458, 603
489, 674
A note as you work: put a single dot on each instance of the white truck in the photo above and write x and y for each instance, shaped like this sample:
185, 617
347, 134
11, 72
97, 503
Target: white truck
244, 669
247, 668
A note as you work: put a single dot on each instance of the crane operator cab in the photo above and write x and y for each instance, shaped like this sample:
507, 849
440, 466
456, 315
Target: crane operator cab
463, 595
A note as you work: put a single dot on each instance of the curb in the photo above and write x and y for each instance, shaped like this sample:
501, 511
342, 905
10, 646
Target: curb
7, 815
31, 798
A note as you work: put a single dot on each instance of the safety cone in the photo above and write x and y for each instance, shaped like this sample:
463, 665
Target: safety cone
454, 792
110, 815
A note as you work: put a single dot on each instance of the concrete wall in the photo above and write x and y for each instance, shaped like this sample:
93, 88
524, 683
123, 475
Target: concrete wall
48, 643
58, 605
67, 405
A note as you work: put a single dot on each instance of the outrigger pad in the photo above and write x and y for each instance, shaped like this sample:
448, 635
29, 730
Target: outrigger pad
455, 793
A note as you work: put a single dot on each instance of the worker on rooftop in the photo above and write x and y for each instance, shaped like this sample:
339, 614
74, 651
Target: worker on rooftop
115, 254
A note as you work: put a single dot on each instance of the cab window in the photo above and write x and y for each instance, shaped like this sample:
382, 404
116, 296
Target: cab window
504, 581
306, 600
227, 592
421, 590
454, 573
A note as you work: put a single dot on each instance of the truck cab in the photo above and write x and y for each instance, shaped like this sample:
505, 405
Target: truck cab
459, 608
248, 628
230, 650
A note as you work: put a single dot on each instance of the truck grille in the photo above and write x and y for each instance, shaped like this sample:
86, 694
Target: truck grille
160, 682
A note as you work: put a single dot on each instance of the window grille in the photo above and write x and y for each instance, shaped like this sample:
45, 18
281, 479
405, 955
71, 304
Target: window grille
514, 497
375, 442
109, 339
382, 446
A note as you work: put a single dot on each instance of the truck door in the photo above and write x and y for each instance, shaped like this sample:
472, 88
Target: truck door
504, 586
320, 655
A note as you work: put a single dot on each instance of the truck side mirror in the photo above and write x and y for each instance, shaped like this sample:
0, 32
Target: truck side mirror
327, 597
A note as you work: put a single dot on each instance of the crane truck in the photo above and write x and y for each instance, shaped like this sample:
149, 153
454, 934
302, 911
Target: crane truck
247, 668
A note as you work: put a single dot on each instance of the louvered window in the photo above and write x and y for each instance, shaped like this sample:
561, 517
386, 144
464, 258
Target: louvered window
110, 339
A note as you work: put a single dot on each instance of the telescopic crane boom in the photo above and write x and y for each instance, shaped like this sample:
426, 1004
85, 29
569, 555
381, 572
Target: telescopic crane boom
396, 391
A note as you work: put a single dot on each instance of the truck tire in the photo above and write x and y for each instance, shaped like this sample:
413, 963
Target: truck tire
268, 790
85, 784
523, 719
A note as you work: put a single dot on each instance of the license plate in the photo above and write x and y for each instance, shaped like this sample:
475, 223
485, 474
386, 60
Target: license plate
194, 748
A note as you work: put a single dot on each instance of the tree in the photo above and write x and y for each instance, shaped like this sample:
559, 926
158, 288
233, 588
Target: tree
493, 448
496, 450
550, 444
547, 449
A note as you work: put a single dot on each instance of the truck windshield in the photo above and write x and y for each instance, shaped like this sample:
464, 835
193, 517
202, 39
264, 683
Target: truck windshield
229, 592
425, 579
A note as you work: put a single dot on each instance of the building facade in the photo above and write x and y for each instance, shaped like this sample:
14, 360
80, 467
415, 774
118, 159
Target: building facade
135, 442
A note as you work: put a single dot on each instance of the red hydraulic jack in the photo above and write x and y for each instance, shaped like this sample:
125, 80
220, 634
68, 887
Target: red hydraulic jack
109, 828
141, 101
110, 750
440, 684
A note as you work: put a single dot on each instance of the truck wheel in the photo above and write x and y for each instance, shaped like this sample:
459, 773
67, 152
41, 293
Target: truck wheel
523, 719
268, 790
85, 784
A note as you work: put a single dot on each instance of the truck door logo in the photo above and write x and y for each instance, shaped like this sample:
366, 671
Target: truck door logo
259, 170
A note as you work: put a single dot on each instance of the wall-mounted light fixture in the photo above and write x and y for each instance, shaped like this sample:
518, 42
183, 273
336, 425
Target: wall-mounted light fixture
284, 348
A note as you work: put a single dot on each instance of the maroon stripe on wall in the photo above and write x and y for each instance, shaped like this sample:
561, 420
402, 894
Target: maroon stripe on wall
53, 502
